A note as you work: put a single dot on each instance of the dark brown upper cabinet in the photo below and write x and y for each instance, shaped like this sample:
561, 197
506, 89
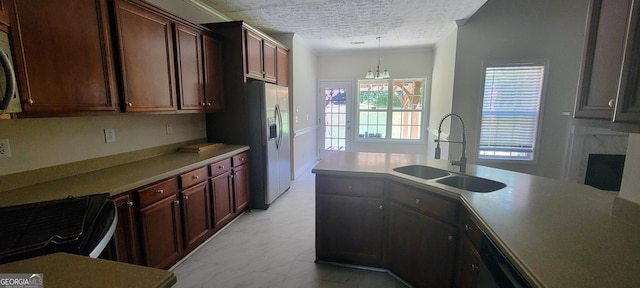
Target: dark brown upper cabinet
213, 93
282, 67
602, 59
249, 52
626, 116
62, 51
189, 65
260, 58
145, 43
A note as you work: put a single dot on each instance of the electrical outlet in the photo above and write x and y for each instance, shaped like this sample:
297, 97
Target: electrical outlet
109, 135
5, 150
169, 128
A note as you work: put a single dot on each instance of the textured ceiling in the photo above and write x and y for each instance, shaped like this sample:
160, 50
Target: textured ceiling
332, 25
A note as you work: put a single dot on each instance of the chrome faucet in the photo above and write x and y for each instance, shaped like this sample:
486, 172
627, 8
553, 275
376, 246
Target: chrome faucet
463, 159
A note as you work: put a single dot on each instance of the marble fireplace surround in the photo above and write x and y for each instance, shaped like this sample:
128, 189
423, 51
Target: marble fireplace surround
588, 140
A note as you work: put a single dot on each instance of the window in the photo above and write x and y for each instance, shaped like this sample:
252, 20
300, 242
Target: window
391, 109
511, 111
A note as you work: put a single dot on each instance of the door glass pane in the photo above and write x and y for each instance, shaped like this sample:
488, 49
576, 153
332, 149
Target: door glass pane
335, 119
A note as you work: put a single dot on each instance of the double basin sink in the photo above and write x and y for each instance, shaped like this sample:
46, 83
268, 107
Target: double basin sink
464, 182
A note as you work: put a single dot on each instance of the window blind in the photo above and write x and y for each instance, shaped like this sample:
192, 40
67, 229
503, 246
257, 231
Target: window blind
510, 110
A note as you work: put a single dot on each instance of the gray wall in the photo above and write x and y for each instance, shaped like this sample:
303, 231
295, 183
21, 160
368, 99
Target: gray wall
512, 30
302, 89
442, 89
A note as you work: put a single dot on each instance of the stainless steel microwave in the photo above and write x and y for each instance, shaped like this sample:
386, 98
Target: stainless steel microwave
9, 98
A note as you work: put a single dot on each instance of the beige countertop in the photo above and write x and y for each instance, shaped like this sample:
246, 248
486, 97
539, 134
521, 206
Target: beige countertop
68, 271
558, 234
118, 179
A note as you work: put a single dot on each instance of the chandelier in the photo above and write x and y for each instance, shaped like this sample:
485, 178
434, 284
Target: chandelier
378, 74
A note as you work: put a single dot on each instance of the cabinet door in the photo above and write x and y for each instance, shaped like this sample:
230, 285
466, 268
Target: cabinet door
350, 230
627, 111
602, 59
195, 215
63, 57
222, 199
160, 225
282, 69
421, 249
269, 59
189, 66
212, 73
468, 266
253, 58
146, 59
125, 235
241, 187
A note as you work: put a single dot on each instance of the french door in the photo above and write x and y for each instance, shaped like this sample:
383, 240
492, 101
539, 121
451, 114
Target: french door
334, 112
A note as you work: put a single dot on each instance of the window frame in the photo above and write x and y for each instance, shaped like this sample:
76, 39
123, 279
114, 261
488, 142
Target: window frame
389, 111
536, 143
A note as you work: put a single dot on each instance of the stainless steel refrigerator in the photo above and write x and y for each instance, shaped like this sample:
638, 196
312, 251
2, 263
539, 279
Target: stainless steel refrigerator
269, 136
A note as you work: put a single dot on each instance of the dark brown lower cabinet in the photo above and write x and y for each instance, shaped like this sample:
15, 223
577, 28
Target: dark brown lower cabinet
195, 215
126, 231
160, 223
241, 187
221, 187
468, 265
161, 232
421, 249
350, 230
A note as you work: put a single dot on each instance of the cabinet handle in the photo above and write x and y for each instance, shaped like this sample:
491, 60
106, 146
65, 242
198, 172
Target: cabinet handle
208, 103
185, 197
177, 202
129, 203
474, 267
204, 104
160, 191
130, 104
417, 201
467, 227
241, 159
30, 101
612, 103
221, 167
196, 177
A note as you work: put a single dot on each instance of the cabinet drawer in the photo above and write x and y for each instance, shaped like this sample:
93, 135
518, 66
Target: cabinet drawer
193, 177
425, 202
220, 167
240, 159
349, 186
470, 229
158, 191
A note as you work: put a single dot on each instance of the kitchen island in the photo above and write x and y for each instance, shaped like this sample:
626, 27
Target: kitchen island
557, 234
69, 271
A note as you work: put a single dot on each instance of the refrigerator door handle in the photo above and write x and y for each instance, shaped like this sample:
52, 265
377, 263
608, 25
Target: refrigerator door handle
279, 126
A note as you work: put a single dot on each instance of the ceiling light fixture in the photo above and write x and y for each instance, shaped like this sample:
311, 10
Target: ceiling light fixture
378, 74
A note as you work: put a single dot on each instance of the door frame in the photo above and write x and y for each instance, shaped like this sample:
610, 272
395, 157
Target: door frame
348, 86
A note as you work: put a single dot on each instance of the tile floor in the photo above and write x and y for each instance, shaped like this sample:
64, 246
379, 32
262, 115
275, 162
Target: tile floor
273, 248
